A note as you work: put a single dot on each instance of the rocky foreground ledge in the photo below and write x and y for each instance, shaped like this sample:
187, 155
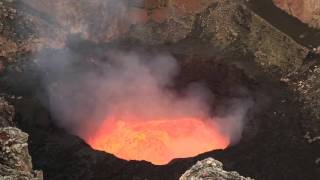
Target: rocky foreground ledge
210, 169
15, 161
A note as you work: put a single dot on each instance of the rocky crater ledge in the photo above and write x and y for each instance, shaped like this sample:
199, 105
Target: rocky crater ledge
210, 169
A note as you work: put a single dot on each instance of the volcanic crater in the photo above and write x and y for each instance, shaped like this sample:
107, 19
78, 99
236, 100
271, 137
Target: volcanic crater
270, 142
62, 155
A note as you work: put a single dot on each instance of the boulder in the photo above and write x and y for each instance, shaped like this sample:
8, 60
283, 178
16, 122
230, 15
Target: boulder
15, 161
210, 169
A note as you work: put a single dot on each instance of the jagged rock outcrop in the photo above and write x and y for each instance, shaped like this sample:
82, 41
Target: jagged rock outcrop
15, 161
210, 169
307, 11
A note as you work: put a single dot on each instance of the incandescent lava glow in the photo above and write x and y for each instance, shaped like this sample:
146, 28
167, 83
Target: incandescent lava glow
131, 108
157, 141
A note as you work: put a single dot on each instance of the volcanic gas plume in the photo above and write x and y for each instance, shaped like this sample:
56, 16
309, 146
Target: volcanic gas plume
127, 105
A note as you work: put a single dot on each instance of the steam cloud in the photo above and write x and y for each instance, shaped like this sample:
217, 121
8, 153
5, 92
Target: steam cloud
81, 95
126, 83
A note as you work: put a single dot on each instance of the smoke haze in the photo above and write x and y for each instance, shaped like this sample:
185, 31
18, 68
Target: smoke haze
126, 84
83, 91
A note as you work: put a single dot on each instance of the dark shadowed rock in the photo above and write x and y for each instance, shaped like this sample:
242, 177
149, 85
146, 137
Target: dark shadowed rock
308, 11
6, 113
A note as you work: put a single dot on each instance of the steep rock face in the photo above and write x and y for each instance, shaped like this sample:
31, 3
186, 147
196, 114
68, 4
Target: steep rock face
210, 169
233, 25
15, 161
16, 34
229, 25
307, 11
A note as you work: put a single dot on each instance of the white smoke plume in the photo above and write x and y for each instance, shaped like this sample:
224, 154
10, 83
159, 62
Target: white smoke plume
127, 83
81, 95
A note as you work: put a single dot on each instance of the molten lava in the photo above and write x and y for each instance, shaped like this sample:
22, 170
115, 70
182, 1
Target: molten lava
157, 141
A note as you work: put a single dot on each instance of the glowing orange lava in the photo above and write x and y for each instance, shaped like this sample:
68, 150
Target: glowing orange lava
157, 141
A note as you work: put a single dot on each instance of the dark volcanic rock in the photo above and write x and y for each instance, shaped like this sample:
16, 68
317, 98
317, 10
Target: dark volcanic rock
6, 113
